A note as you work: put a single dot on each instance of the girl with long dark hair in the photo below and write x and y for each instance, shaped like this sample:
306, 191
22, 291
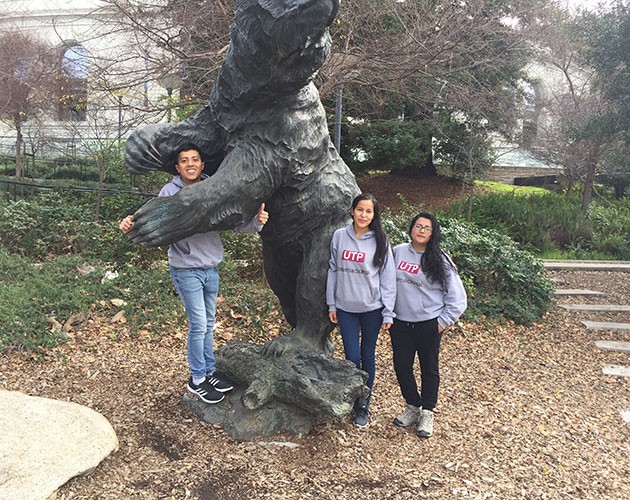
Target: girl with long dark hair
361, 289
430, 297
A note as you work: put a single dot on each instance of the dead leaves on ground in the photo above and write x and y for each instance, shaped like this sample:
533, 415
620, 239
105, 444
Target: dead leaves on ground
524, 413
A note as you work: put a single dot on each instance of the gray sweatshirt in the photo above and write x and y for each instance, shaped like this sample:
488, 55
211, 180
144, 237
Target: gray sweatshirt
354, 284
201, 250
418, 299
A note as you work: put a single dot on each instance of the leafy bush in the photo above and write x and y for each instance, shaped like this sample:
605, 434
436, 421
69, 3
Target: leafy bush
549, 222
501, 279
389, 144
242, 246
152, 301
34, 294
55, 223
252, 306
611, 228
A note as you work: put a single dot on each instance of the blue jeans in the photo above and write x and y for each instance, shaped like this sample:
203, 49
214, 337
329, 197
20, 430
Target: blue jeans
198, 290
361, 351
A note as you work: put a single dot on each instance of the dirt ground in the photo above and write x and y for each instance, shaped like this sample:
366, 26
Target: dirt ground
430, 194
524, 413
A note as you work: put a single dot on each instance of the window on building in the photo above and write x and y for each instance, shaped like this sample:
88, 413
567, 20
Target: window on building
73, 83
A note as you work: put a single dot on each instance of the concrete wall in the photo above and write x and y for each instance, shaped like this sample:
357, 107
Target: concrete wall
506, 175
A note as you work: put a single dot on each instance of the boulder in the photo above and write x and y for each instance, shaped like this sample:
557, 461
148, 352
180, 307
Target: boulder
45, 443
280, 394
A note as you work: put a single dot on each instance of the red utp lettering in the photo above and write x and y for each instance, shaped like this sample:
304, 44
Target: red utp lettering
353, 256
408, 267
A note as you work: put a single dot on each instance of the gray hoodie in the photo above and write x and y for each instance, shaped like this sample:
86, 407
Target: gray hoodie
201, 250
354, 284
417, 298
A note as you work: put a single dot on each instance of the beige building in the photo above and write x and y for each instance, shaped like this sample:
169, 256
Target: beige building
106, 64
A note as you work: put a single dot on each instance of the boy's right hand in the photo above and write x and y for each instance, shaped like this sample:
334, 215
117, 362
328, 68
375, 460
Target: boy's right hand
126, 224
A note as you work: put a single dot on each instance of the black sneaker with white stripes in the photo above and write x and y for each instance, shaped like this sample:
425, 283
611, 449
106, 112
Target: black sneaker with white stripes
205, 392
218, 383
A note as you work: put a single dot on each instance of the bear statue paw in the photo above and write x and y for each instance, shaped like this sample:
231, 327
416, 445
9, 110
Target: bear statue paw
164, 220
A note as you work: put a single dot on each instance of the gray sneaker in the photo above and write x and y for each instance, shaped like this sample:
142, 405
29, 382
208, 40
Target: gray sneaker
425, 427
410, 416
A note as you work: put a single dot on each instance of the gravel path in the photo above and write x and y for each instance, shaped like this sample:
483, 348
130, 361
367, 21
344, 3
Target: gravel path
524, 413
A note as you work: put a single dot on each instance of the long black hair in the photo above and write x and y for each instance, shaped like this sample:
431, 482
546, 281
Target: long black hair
375, 225
433, 259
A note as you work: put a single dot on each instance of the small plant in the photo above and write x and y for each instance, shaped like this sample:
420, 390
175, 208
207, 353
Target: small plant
36, 299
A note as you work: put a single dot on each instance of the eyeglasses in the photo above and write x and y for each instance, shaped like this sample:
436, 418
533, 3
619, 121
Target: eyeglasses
420, 227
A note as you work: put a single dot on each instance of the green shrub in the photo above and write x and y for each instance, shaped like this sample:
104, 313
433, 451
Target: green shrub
611, 228
249, 301
34, 295
242, 246
152, 301
388, 144
55, 223
501, 279
549, 222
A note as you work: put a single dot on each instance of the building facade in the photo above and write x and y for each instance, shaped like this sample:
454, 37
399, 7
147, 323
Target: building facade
104, 88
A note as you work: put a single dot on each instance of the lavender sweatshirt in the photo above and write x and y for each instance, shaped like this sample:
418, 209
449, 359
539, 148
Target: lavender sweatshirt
201, 250
418, 299
354, 284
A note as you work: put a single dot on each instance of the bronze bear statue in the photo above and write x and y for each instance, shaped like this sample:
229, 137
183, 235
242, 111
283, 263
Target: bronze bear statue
264, 138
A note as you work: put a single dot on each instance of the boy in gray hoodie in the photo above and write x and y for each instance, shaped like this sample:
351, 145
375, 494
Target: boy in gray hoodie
193, 264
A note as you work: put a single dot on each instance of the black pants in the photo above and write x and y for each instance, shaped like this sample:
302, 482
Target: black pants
407, 340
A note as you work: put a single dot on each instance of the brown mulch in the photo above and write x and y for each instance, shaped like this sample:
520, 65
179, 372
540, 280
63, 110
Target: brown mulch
429, 193
524, 412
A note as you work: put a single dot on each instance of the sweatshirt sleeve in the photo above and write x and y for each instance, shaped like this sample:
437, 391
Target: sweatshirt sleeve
388, 286
331, 282
249, 227
455, 301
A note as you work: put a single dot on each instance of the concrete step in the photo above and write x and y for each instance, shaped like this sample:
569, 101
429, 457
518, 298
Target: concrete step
577, 291
588, 265
616, 370
606, 325
596, 307
612, 345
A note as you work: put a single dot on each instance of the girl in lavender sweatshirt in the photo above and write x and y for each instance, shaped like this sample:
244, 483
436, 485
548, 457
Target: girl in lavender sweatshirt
361, 289
429, 298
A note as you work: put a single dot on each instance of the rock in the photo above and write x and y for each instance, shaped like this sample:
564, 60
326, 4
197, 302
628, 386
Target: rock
283, 394
244, 424
45, 443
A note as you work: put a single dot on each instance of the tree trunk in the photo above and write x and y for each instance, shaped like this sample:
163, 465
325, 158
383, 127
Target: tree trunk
591, 168
100, 164
587, 193
570, 184
19, 171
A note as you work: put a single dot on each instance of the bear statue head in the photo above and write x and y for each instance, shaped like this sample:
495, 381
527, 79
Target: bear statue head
277, 46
